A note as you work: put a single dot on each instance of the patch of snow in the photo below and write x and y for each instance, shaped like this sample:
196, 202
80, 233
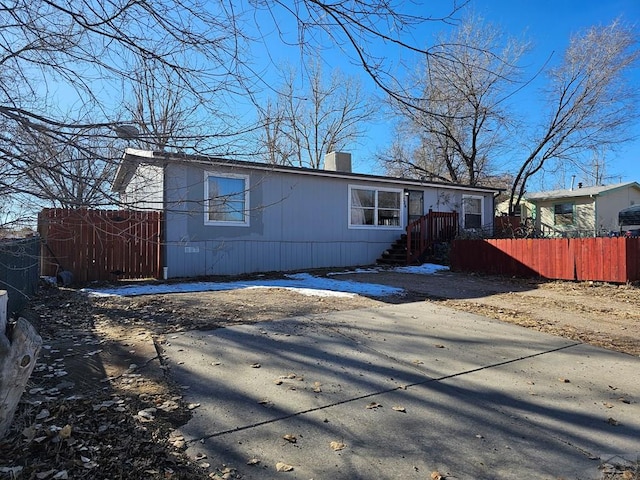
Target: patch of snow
302, 282
357, 270
314, 292
424, 269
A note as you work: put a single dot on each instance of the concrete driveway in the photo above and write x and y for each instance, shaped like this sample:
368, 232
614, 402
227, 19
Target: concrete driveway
404, 391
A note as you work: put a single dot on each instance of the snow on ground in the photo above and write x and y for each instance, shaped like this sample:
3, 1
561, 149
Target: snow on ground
302, 283
424, 269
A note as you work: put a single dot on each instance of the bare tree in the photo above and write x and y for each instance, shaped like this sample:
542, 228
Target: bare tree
460, 121
590, 104
465, 121
167, 115
64, 175
303, 125
63, 62
275, 139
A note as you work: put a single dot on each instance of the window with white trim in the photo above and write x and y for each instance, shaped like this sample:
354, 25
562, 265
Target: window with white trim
374, 207
472, 211
226, 199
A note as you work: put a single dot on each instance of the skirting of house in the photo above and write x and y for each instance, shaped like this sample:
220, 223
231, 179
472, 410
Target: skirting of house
205, 258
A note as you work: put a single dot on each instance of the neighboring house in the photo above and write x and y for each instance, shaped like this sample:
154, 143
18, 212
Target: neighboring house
582, 211
232, 217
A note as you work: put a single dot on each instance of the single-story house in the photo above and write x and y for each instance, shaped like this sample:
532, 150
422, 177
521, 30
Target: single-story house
582, 211
233, 217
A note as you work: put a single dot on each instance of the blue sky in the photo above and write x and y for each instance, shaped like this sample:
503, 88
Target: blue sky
548, 25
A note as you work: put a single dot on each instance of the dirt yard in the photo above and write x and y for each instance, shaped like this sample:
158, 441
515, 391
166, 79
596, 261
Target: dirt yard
101, 403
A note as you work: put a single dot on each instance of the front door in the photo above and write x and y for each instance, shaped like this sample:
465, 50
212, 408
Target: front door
415, 205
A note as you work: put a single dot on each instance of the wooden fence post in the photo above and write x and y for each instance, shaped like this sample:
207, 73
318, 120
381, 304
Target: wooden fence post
19, 350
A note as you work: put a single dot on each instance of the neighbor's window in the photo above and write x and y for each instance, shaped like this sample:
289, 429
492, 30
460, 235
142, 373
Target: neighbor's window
563, 214
472, 211
226, 199
374, 207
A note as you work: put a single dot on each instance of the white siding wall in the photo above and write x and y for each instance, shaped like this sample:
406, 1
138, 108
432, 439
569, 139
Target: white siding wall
609, 205
144, 192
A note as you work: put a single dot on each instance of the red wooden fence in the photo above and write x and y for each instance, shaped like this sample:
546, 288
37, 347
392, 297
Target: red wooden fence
600, 259
100, 244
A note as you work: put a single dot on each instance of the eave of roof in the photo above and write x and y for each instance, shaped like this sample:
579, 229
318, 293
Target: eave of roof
133, 157
578, 192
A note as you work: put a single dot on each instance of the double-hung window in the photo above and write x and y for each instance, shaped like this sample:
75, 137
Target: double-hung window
472, 211
374, 207
226, 199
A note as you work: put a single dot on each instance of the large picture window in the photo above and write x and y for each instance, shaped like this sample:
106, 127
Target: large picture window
374, 207
472, 212
226, 199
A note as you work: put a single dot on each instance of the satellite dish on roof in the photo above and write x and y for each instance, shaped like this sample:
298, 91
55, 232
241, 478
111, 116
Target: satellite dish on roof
128, 132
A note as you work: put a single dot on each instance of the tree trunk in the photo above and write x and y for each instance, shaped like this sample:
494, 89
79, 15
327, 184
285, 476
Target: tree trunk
19, 348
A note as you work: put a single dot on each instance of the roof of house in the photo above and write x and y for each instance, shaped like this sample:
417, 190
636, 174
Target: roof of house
579, 192
133, 157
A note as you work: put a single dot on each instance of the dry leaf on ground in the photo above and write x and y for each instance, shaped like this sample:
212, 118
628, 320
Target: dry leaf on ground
335, 446
283, 467
65, 432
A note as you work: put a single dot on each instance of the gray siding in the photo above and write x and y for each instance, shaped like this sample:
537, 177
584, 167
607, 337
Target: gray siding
296, 222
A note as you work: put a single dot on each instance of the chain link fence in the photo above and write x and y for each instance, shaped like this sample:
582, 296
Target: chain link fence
19, 271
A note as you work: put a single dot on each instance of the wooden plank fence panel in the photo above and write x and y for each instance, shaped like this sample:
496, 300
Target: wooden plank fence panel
100, 244
633, 257
598, 259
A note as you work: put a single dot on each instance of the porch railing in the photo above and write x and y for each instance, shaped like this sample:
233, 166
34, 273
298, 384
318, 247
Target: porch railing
434, 227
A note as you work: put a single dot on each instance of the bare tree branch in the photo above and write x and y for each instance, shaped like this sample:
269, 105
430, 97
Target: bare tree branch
461, 120
301, 126
590, 105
